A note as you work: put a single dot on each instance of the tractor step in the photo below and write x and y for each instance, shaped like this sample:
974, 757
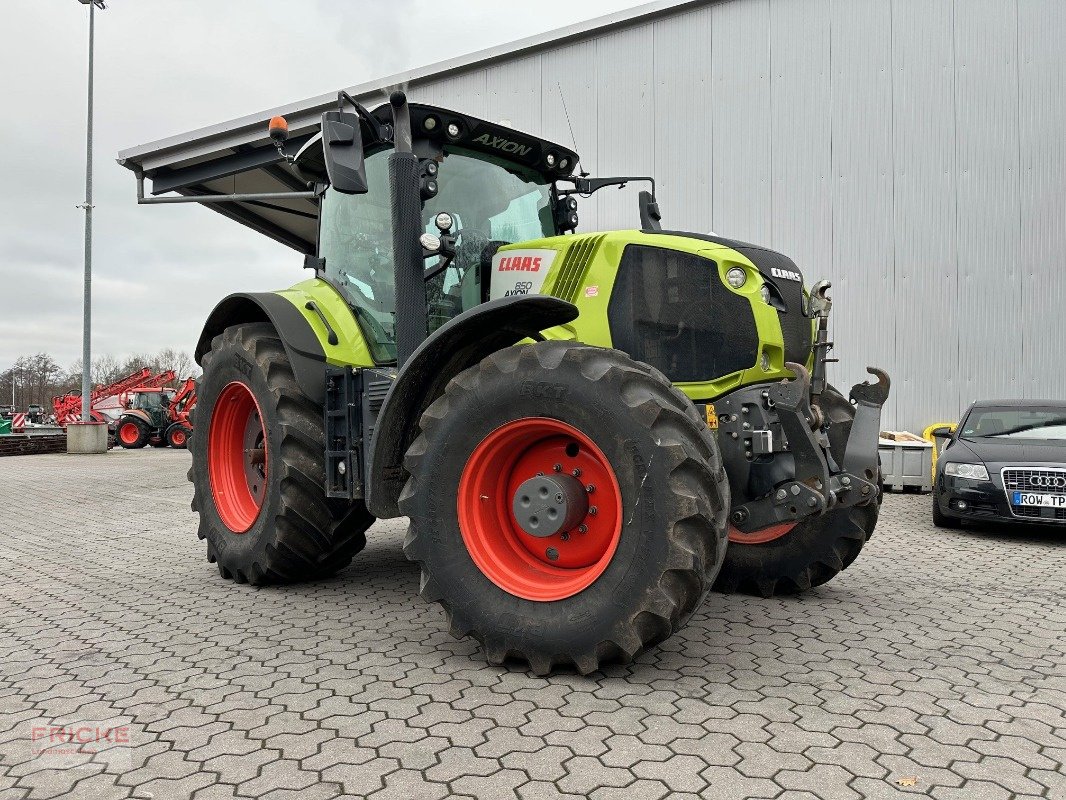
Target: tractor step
353, 399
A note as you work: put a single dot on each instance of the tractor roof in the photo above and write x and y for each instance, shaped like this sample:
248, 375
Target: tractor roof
238, 157
256, 167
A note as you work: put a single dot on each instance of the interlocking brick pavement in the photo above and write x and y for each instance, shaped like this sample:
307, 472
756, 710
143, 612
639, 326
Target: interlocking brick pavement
939, 656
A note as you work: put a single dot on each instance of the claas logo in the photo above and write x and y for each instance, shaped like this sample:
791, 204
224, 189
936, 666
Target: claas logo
520, 264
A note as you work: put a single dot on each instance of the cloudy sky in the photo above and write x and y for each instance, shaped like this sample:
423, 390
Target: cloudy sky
164, 67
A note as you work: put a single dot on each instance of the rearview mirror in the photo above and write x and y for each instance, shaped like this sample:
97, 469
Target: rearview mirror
342, 147
941, 432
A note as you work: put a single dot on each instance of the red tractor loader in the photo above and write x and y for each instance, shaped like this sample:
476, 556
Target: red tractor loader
157, 416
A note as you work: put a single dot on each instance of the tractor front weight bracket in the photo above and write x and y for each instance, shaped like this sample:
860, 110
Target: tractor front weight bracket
776, 451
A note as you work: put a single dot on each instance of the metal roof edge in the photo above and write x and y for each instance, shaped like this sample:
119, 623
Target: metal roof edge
526, 46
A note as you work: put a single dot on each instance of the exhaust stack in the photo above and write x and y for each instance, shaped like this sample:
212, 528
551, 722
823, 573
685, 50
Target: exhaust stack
405, 188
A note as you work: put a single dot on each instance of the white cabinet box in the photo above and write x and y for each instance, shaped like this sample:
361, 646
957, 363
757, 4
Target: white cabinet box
906, 464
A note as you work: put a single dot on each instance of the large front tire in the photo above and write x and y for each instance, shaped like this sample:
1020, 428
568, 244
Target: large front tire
787, 559
646, 556
258, 468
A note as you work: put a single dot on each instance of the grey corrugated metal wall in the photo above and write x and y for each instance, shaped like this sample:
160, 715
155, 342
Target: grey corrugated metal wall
912, 151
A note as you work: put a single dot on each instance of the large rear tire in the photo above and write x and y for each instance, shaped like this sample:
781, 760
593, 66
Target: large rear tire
132, 433
788, 559
650, 549
258, 468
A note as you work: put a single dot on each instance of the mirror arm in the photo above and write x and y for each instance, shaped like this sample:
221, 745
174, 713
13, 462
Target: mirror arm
586, 186
372, 122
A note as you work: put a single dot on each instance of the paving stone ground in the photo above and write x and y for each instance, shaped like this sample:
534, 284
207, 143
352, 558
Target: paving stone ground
933, 667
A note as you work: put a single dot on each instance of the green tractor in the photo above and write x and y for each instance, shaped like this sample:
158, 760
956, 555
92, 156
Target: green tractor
587, 431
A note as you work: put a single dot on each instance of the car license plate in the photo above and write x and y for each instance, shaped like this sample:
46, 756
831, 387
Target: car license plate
1046, 500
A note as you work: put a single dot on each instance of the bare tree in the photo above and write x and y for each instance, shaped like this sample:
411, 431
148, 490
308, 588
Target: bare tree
38, 378
178, 360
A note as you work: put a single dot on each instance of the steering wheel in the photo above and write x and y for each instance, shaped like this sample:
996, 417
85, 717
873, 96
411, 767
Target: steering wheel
468, 252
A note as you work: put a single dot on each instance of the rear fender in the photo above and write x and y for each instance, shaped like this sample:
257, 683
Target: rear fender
460, 343
139, 414
302, 345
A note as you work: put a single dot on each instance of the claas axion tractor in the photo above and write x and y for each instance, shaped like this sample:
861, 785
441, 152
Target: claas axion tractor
587, 431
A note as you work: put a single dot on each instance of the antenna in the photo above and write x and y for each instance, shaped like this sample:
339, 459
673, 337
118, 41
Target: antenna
570, 125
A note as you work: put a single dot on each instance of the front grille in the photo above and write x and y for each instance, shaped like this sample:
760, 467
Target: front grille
671, 310
1057, 514
575, 267
796, 325
1034, 479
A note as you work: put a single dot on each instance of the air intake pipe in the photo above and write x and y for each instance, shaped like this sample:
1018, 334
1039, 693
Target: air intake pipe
412, 322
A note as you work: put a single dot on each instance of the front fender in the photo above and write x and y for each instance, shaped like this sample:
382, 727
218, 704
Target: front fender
460, 343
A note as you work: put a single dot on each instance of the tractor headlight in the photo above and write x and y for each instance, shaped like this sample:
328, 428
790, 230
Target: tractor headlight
736, 277
764, 293
975, 472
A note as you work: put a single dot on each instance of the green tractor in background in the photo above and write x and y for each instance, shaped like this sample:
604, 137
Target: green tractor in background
586, 431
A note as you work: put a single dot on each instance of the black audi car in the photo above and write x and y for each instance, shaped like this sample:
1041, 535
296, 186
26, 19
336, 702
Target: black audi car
1005, 462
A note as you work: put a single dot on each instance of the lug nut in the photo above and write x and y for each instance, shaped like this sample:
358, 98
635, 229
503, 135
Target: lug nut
564, 536
582, 528
557, 468
593, 511
590, 488
552, 554
576, 473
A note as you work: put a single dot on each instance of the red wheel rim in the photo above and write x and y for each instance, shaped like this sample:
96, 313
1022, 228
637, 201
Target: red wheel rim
178, 438
128, 432
514, 560
236, 457
761, 536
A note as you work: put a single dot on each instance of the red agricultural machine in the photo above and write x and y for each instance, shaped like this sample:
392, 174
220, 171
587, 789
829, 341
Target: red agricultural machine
67, 407
139, 407
157, 416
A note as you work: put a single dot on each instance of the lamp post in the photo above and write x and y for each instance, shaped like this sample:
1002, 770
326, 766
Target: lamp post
87, 301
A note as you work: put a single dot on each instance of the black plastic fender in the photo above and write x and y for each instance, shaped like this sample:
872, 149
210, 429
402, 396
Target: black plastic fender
458, 344
302, 346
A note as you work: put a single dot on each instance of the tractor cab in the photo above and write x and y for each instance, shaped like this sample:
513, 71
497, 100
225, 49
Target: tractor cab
151, 403
482, 186
149, 399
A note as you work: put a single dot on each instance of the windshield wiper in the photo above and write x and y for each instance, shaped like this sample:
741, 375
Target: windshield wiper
1023, 428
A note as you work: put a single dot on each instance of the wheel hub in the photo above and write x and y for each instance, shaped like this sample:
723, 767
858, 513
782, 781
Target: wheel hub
540, 509
546, 505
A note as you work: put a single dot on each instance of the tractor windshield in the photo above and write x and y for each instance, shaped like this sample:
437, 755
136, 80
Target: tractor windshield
490, 200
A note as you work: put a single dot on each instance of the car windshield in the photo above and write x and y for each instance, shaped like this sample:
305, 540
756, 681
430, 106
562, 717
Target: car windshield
490, 200
1016, 423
